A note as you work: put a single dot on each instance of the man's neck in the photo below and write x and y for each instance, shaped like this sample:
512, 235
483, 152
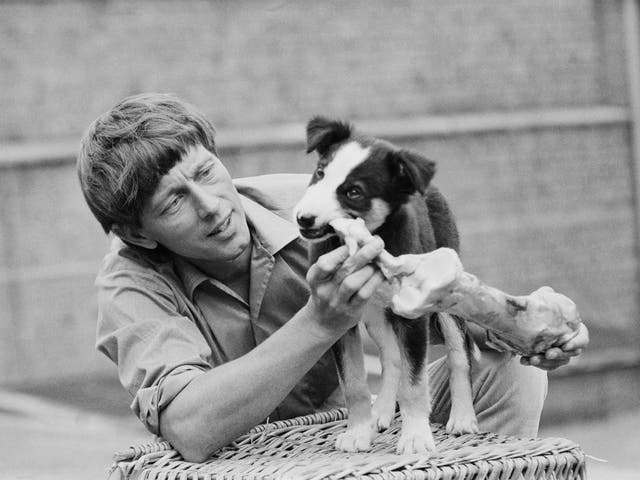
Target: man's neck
230, 271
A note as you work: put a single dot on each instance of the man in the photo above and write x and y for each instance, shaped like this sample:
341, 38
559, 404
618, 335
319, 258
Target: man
207, 304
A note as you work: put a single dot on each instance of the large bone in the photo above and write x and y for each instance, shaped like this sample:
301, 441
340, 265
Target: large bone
437, 282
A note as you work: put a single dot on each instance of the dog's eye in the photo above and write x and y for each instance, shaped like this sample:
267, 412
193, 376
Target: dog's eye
354, 193
320, 172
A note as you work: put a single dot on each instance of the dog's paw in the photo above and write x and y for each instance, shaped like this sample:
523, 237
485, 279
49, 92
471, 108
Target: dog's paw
461, 424
382, 414
416, 442
355, 439
382, 421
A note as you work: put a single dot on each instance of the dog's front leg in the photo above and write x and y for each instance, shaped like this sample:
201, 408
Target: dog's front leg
384, 407
353, 376
414, 396
462, 418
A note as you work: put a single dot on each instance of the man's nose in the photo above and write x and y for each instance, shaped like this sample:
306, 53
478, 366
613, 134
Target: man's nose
207, 204
306, 221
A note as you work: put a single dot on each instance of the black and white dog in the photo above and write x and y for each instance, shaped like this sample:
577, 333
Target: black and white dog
389, 188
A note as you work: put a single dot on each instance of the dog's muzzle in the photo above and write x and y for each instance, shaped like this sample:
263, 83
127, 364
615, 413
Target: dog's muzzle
309, 229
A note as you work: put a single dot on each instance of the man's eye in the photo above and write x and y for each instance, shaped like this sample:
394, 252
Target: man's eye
206, 172
320, 172
354, 193
173, 204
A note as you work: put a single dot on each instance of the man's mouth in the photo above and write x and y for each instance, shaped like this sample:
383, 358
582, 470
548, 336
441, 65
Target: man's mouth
221, 226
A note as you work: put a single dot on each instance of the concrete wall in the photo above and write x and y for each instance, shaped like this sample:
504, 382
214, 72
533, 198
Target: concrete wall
535, 206
51, 249
252, 62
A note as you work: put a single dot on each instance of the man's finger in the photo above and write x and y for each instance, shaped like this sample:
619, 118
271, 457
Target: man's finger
369, 288
552, 365
365, 255
327, 265
556, 353
550, 360
354, 282
578, 341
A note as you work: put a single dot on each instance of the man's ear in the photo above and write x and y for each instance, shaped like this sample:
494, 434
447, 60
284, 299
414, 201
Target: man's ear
134, 236
323, 132
411, 171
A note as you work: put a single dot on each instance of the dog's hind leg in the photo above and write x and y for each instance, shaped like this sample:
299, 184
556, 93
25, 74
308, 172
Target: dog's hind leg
384, 407
414, 396
353, 376
462, 418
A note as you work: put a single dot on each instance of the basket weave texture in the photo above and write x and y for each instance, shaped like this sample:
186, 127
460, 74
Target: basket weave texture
303, 448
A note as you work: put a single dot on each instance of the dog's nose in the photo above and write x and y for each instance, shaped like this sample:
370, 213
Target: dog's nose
306, 221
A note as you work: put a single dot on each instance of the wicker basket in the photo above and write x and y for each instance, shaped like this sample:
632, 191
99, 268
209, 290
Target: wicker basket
303, 448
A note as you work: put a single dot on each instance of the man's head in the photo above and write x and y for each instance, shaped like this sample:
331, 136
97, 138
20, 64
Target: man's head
126, 151
150, 174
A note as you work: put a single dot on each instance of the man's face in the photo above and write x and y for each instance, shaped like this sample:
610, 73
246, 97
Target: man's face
196, 212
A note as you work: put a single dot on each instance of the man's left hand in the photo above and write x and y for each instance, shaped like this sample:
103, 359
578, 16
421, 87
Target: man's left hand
557, 356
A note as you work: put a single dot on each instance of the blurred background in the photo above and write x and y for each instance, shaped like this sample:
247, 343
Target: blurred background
531, 110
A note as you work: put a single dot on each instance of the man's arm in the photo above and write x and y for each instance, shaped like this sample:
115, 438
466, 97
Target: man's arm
221, 404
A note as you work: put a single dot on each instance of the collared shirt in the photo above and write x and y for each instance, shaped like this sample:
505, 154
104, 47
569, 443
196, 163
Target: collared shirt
163, 322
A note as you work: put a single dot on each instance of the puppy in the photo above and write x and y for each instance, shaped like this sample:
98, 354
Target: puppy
389, 188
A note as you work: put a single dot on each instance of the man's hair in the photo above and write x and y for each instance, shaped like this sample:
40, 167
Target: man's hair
126, 151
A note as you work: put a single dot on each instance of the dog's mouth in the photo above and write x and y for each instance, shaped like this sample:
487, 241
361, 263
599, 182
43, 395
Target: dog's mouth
317, 233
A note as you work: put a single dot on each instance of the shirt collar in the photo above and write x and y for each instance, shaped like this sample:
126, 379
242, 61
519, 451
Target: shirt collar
272, 231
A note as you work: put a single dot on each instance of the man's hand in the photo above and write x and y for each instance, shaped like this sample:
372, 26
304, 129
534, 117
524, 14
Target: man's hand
560, 355
341, 284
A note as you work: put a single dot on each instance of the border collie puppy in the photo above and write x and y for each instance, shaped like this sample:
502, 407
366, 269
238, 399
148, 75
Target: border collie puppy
389, 188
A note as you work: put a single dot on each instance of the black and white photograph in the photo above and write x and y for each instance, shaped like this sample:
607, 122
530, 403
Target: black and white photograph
319, 239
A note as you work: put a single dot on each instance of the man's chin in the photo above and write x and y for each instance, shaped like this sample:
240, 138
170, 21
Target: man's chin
242, 247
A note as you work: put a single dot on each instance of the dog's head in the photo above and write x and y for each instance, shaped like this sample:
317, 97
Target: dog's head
356, 176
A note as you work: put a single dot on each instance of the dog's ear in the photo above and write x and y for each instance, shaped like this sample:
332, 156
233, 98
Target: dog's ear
411, 171
323, 132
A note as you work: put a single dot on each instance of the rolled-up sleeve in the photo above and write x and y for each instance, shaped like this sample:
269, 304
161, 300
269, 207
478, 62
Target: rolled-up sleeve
158, 351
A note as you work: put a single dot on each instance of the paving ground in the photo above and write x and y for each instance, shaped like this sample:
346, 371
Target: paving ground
44, 439
615, 440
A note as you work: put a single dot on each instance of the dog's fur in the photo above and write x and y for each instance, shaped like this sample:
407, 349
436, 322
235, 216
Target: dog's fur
389, 188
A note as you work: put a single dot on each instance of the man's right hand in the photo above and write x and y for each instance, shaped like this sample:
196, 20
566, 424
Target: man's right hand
341, 285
